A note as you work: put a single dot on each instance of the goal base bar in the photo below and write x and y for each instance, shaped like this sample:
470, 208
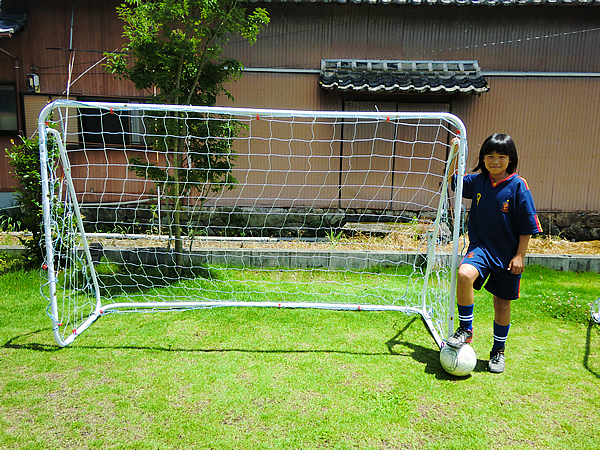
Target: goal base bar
158, 306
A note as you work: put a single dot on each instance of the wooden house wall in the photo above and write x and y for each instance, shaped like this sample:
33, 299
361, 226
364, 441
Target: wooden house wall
551, 113
43, 46
507, 38
552, 118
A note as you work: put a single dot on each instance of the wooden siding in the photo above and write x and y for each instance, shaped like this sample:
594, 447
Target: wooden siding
556, 135
553, 120
523, 38
297, 162
7, 181
43, 46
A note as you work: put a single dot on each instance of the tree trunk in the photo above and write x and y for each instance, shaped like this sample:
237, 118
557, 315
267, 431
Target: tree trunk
178, 256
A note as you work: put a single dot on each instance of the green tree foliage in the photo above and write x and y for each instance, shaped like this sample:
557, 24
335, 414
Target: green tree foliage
174, 48
174, 51
205, 158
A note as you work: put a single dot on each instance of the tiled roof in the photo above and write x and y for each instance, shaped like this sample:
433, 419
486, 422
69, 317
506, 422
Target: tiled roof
445, 2
402, 76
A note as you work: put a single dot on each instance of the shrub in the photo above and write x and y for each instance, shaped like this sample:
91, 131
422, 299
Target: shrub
25, 161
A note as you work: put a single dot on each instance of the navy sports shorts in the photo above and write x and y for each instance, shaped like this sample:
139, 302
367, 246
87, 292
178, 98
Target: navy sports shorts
500, 281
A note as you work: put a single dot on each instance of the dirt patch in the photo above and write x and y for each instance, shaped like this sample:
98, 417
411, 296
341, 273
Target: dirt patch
391, 241
544, 245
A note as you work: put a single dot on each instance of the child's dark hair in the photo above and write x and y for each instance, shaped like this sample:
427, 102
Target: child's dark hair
502, 144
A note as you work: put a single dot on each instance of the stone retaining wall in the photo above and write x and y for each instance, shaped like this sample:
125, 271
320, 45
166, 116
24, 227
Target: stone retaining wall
573, 226
317, 258
304, 222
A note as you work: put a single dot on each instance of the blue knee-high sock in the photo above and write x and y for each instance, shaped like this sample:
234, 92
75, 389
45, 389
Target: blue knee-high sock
500, 335
465, 316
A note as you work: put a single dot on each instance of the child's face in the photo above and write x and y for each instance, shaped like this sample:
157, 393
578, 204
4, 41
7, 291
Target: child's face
496, 164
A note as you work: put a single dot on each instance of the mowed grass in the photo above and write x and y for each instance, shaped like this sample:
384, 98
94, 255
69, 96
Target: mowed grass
257, 378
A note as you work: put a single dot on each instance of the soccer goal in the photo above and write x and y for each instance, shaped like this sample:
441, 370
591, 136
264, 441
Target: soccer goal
156, 208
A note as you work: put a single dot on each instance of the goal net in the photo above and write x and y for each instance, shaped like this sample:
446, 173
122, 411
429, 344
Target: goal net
156, 207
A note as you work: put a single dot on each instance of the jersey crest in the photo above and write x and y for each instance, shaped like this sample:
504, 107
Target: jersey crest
505, 206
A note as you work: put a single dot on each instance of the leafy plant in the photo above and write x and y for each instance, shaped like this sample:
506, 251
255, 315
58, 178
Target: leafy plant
10, 223
415, 229
10, 263
334, 238
25, 161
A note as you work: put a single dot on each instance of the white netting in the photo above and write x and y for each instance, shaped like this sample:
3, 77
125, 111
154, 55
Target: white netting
198, 207
595, 311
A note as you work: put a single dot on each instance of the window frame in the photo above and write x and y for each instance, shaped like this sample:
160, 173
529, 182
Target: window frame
15, 112
91, 125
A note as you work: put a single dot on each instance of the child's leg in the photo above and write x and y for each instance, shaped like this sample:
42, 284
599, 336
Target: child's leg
465, 299
501, 321
467, 274
497, 363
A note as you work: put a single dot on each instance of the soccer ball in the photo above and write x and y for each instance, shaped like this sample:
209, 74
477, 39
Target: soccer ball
458, 361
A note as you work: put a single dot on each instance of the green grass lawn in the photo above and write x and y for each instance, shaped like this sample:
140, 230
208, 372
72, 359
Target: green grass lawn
259, 378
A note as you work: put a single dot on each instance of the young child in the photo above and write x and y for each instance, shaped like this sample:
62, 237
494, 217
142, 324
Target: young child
501, 220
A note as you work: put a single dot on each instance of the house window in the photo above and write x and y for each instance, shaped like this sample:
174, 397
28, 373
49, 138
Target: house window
113, 128
8, 108
99, 126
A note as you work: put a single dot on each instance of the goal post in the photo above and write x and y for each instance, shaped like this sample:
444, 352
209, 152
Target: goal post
161, 207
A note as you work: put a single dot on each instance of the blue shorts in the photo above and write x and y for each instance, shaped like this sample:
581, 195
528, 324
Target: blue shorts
500, 281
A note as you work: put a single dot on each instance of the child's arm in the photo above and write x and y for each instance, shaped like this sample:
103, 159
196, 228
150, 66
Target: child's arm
517, 264
454, 163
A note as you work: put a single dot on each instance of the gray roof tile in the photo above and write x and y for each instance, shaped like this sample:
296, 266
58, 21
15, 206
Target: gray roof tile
355, 75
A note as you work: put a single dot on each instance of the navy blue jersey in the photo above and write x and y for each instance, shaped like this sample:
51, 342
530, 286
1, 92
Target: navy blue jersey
500, 213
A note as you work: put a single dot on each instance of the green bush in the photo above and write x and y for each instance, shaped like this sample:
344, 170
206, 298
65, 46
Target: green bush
25, 161
10, 263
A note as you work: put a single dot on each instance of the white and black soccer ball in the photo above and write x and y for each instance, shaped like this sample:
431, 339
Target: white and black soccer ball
458, 361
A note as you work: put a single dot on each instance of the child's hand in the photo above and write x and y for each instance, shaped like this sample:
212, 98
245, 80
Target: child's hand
516, 265
453, 170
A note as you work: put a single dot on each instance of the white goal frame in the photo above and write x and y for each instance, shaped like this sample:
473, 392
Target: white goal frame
54, 152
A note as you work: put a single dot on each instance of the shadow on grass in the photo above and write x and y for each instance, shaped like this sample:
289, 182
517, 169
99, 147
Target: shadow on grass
421, 354
23, 342
588, 345
429, 357
123, 279
14, 342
